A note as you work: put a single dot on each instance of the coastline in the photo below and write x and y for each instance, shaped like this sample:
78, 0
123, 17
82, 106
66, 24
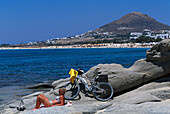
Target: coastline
106, 45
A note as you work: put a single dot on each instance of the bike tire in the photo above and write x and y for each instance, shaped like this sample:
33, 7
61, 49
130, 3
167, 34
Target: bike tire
106, 94
72, 90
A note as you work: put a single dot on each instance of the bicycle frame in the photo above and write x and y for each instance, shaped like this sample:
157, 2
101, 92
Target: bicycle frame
82, 80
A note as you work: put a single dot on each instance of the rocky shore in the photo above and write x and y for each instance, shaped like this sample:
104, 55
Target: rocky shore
142, 88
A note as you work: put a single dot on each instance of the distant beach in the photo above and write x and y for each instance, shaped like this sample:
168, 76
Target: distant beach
103, 45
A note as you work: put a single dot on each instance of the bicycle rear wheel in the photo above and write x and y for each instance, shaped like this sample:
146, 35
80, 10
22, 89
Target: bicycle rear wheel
72, 90
103, 91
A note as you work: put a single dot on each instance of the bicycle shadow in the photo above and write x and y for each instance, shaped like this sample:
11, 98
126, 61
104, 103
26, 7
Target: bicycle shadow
85, 91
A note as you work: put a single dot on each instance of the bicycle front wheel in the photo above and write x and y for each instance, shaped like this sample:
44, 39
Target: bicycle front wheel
103, 91
72, 90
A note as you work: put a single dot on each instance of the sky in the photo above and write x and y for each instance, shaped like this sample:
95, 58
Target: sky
23, 21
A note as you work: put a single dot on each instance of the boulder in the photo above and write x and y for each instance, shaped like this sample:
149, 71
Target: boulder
149, 98
157, 64
159, 53
118, 76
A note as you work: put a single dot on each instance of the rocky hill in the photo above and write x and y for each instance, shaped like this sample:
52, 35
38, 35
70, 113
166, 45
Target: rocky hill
133, 22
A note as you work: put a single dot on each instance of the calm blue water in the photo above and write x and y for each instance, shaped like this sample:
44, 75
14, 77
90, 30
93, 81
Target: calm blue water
20, 68
25, 67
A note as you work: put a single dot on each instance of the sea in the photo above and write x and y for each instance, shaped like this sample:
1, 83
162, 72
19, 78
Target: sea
24, 67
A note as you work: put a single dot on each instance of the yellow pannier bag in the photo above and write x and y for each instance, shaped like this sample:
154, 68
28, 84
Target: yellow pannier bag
73, 73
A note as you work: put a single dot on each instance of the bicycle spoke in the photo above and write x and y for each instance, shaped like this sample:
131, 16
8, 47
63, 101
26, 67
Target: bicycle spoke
103, 91
72, 90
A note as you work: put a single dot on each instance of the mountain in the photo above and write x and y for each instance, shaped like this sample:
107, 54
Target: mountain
133, 22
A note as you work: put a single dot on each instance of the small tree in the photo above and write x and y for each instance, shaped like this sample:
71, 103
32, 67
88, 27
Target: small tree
143, 39
4, 45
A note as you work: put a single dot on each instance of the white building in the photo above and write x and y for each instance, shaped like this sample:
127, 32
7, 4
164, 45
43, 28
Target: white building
30, 43
107, 33
77, 36
162, 36
48, 41
149, 33
135, 35
33, 43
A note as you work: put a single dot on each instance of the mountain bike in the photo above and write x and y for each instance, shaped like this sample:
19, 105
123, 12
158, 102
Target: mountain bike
102, 91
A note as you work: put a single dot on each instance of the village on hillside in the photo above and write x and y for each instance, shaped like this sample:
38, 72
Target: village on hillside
162, 34
159, 34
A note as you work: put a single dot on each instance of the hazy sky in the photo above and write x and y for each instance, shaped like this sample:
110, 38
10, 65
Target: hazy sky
22, 21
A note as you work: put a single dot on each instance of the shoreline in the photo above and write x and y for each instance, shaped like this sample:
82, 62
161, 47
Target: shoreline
63, 48
106, 45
